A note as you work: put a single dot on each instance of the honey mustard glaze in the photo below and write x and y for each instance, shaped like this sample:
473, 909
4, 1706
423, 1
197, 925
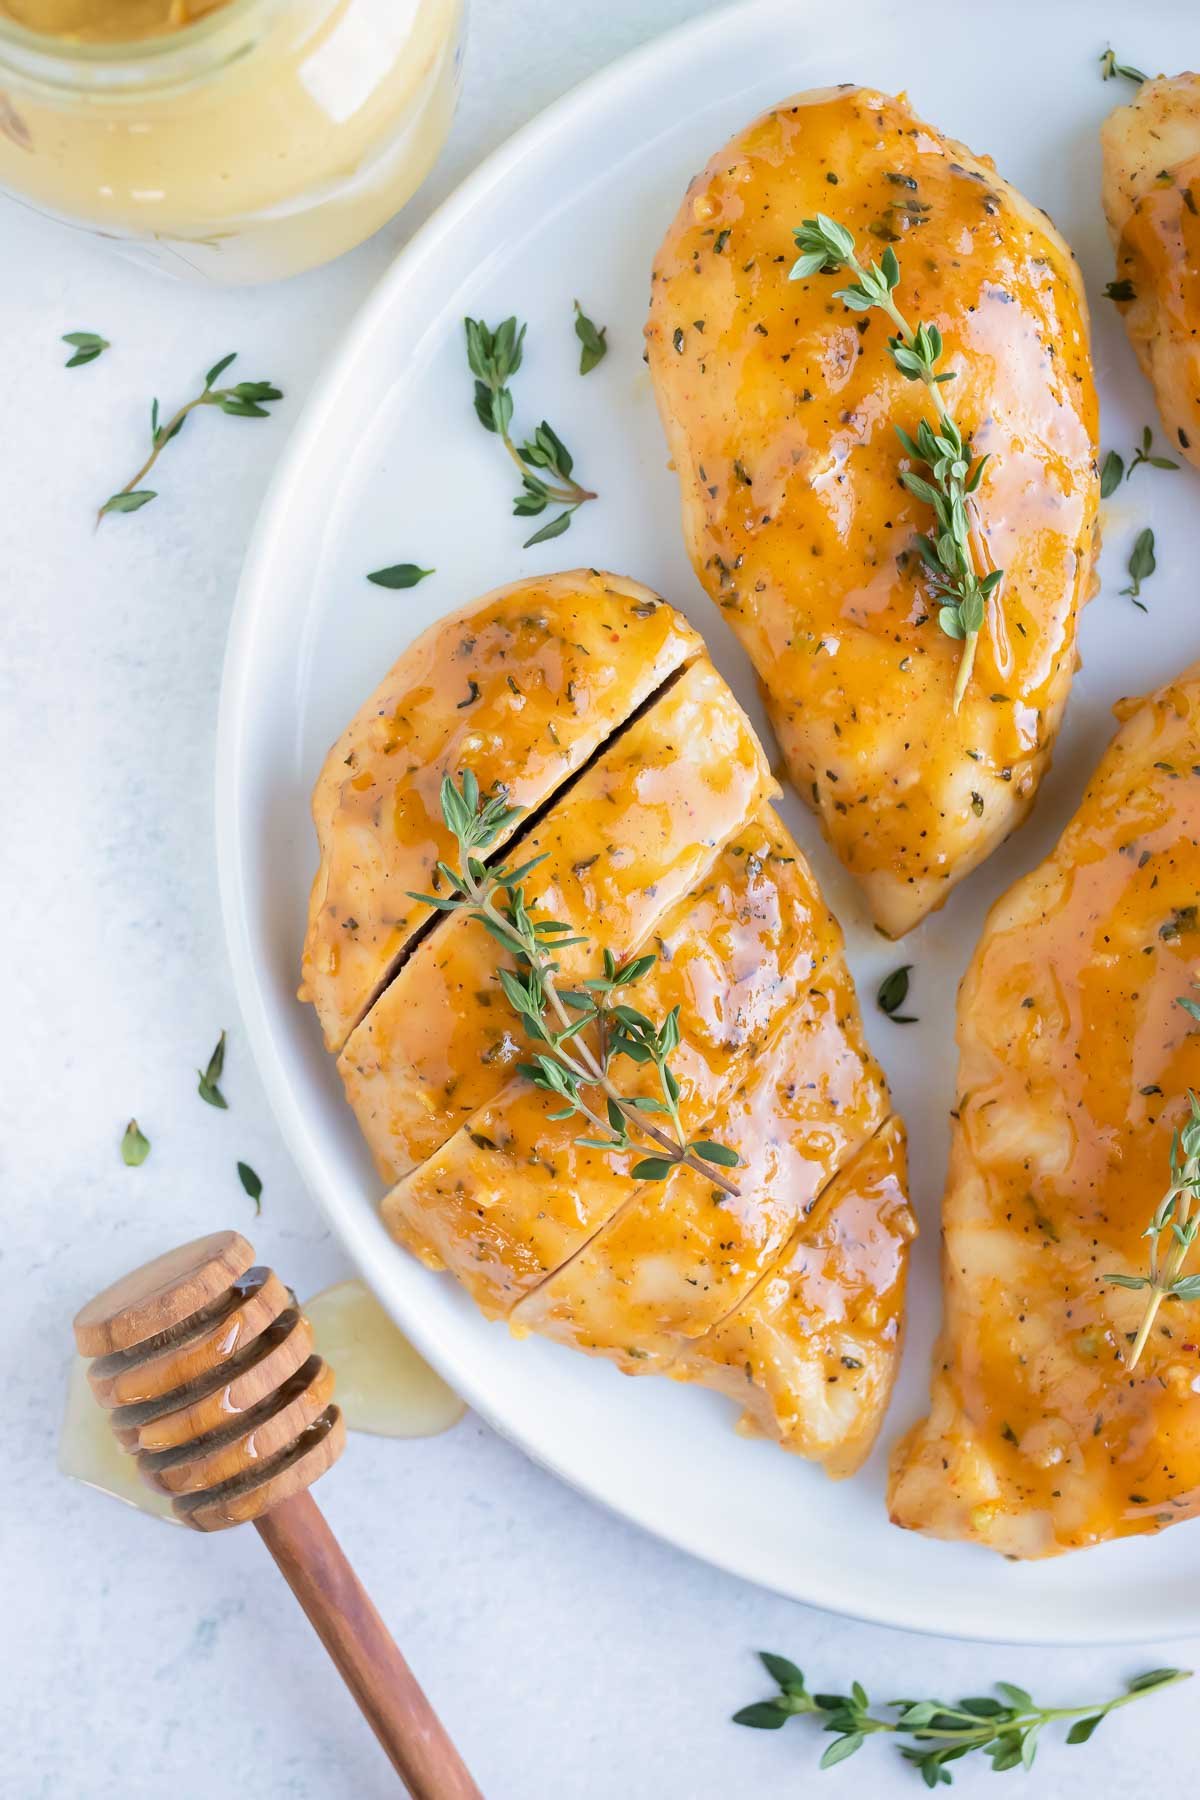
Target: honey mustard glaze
781, 407
234, 140
1076, 1059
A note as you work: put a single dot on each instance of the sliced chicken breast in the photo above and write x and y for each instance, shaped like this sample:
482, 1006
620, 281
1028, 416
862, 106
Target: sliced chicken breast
781, 406
1075, 1063
661, 841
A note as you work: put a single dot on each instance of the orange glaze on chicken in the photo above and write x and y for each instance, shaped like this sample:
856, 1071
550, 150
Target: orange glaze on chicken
780, 407
620, 846
661, 841
1152, 202
1075, 1065
588, 649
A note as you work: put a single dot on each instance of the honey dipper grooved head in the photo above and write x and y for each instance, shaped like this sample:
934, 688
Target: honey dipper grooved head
206, 1366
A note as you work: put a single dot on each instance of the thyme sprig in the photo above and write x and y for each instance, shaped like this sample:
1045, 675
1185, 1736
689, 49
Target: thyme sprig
246, 400
544, 462
954, 558
1006, 1730
86, 345
1177, 1217
581, 1032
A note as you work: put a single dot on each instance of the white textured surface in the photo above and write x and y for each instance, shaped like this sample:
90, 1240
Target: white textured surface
569, 1655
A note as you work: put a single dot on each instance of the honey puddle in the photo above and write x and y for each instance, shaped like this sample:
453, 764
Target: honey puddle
88, 1451
382, 1386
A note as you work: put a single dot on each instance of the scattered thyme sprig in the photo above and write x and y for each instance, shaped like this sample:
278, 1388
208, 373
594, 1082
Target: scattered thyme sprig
567, 1062
1178, 1215
954, 558
494, 357
1110, 68
247, 400
1006, 1730
135, 1146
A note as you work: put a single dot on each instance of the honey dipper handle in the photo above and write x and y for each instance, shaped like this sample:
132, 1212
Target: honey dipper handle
341, 1611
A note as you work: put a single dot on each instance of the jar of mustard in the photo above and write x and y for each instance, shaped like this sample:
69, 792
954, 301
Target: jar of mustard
228, 140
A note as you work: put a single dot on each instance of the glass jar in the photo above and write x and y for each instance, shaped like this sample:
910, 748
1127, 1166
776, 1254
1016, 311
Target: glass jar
264, 139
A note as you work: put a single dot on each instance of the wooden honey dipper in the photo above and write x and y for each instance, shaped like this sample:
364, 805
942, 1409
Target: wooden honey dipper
207, 1367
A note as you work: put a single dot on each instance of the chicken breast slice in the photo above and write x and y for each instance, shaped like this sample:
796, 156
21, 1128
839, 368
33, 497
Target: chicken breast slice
679, 1255
522, 687
1075, 1063
1151, 191
621, 845
512, 1196
812, 1352
780, 407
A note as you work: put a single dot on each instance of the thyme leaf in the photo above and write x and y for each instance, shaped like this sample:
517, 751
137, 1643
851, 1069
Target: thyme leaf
399, 575
1142, 565
207, 1088
593, 341
893, 992
1110, 475
578, 1035
543, 460
252, 1184
135, 1146
88, 345
246, 400
944, 474
1005, 1730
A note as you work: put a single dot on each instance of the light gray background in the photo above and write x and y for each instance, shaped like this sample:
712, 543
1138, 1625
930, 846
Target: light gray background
571, 1657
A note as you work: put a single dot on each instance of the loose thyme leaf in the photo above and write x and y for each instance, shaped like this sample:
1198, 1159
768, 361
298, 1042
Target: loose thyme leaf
1006, 1731
959, 585
210, 1076
126, 502
893, 992
1110, 68
135, 1146
593, 342
252, 1185
1110, 475
1120, 291
248, 400
399, 575
1142, 565
494, 355
88, 346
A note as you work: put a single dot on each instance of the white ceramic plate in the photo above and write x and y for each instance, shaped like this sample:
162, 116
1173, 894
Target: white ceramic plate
388, 464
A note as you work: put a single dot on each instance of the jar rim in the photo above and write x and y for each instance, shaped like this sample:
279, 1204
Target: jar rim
152, 61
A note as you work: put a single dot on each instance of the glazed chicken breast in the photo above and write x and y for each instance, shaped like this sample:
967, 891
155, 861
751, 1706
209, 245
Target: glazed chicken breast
780, 406
1152, 203
646, 800
1075, 1063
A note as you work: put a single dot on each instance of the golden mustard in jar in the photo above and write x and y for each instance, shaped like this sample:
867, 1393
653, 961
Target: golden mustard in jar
230, 140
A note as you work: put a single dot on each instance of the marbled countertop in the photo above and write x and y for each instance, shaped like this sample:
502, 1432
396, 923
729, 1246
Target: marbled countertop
572, 1657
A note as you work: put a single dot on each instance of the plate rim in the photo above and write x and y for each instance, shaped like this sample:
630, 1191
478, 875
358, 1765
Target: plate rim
356, 1235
